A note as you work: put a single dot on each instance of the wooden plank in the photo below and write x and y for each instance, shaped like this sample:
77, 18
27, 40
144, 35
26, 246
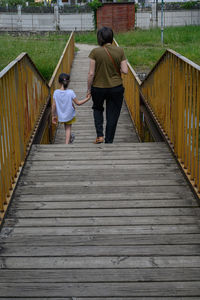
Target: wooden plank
169, 196
100, 150
96, 156
104, 204
82, 161
94, 230
100, 221
131, 146
99, 239
132, 173
131, 212
101, 289
96, 251
100, 275
106, 298
102, 183
59, 166
27, 190
90, 262
101, 176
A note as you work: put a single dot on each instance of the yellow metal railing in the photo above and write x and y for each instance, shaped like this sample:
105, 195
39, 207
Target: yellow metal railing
131, 83
23, 95
172, 92
63, 66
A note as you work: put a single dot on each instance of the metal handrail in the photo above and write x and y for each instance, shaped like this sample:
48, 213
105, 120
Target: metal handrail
24, 99
24, 94
172, 92
132, 83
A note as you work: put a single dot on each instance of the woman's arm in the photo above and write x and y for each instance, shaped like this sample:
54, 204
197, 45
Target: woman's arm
91, 75
124, 67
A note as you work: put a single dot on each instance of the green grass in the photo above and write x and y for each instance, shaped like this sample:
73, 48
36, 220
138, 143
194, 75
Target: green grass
143, 48
45, 51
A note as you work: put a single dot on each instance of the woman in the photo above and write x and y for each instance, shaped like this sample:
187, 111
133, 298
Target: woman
107, 62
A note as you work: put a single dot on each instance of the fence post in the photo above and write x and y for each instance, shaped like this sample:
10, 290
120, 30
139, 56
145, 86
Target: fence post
154, 15
56, 17
19, 19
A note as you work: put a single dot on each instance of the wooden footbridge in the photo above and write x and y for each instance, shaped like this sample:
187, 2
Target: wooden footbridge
85, 221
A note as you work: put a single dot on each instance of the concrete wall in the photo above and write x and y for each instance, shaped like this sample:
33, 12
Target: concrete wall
84, 21
171, 18
45, 22
80, 22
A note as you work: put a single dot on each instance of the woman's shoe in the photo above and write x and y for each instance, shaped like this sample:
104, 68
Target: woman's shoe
99, 140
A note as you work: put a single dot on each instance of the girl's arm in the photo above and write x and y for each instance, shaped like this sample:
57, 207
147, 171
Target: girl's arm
54, 113
80, 102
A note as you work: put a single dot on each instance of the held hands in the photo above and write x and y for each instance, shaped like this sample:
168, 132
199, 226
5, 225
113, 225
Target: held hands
88, 96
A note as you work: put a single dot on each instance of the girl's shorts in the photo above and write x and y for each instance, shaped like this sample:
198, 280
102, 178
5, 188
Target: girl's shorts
69, 122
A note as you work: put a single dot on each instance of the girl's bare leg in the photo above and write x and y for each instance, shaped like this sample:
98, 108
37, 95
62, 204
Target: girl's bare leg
67, 133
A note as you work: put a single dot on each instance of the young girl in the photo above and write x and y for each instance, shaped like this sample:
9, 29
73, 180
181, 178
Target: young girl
63, 105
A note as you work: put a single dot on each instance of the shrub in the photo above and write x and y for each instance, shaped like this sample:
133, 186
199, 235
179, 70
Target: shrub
94, 5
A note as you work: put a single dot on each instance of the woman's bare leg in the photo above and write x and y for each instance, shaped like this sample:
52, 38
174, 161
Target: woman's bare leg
67, 133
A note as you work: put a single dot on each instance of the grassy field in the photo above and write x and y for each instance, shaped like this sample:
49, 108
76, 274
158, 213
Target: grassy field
45, 51
143, 47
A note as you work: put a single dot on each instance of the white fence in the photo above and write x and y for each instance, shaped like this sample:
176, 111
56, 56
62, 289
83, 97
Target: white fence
145, 20
84, 21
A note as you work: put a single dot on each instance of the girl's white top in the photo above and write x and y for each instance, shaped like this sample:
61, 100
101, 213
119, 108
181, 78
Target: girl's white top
64, 104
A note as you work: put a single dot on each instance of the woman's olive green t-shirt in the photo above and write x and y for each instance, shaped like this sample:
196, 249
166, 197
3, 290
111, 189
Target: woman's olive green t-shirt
106, 76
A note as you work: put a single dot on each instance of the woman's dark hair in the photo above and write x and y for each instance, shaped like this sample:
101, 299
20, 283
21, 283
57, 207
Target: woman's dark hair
64, 79
104, 36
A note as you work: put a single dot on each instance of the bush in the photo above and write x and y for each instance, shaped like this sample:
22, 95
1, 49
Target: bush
94, 5
190, 4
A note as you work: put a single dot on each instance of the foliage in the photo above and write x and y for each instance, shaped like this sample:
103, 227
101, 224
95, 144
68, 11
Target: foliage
136, 7
35, 4
45, 51
179, 5
189, 4
12, 2
94, 5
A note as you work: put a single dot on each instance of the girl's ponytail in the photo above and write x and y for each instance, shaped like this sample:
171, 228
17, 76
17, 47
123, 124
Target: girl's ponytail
64, 80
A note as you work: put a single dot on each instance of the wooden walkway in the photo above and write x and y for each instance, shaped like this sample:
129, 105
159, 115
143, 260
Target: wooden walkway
101, 222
